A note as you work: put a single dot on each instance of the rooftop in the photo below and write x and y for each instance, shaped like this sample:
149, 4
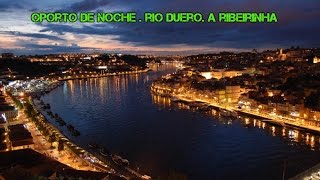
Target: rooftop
6, 108
19, 135
29, 164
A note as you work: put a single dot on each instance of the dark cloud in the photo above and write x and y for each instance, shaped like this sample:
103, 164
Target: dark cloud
86, 5
214, 35
66, 49
35, 35
46, 49
297, 24
8, 5
33, 10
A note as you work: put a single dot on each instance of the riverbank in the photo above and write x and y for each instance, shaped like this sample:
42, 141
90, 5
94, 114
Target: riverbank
68, 144
271, 119
105, 163
41, 142
158, 139
85, 76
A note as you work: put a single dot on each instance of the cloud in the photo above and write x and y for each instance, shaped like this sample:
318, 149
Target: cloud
297, 25
85, 5
234, 35
28, 48
35, 35
6, 5
214, 35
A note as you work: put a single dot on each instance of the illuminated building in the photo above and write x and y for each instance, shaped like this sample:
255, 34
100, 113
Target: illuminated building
282, 56
7, 55
223, 73
316, 60
20, 137
10, 112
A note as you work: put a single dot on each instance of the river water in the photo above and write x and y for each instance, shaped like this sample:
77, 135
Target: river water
160, 137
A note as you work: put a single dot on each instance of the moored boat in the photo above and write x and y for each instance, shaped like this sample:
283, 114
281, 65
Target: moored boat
204, 108
119, 160
225, 113
145, 177
93, 145
175, 99
104, 152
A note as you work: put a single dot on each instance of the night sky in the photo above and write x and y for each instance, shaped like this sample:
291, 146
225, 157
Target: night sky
298, 25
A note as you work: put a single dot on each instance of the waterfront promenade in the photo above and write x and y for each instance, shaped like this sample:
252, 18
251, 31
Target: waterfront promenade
81, 158
72, 155
82, 154
271, 118
97, 75
312, 173
44, 147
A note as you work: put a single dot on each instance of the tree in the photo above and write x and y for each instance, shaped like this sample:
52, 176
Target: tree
15, 100
45, 132
52, 138
313, 101
60, 145
134, 60
22, 66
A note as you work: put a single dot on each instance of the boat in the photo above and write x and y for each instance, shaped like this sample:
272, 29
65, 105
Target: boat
204, 108
75, 132
274, 122
125, 161
62, 123
104, 152
145, 177
175, 99
93, 145
234, 114
70, 127
225, 113
119, 160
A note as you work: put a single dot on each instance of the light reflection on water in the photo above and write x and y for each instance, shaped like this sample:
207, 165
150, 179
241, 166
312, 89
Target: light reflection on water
159, 135
288, 133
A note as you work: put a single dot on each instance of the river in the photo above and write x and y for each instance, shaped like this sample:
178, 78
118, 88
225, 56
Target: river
158, 137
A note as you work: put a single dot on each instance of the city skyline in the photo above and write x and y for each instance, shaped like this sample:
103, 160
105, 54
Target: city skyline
297, 26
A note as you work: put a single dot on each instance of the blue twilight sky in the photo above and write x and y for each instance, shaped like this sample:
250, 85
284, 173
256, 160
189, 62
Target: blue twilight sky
298, 24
